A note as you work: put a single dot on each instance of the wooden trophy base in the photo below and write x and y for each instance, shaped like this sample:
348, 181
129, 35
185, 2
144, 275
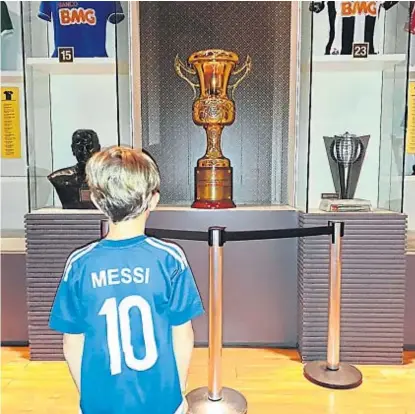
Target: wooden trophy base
213, 187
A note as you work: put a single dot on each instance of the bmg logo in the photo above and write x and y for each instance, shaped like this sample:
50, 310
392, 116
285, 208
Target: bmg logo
78, 15
355, 8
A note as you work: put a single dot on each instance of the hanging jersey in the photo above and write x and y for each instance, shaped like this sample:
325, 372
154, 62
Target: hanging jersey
352, 22
6, 22
410, 26
125, 297
81, 24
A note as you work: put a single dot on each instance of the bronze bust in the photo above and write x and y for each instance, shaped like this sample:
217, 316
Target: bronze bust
70, 183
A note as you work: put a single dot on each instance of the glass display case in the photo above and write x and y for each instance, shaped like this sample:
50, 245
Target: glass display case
95, 91
354, 60
257, 143
77, 83
14, 199
409, 186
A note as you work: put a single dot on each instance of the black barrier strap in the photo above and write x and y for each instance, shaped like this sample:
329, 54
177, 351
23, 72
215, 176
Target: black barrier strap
178, 234
166, 234
226, 236
278, 234
239, 235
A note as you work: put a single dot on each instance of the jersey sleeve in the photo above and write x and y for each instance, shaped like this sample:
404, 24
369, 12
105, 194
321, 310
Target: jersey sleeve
116, 13
185, 302
316, 6
66, 313
45, 11
6, 23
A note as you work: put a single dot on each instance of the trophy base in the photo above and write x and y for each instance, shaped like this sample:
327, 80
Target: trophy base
213, 188
344, 206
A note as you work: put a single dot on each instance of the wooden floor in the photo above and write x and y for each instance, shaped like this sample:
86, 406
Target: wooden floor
271, 380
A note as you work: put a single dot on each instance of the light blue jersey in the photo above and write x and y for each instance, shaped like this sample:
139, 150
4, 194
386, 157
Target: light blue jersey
125, 296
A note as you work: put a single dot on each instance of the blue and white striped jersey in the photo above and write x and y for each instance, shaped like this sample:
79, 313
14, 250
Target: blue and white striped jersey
125, 296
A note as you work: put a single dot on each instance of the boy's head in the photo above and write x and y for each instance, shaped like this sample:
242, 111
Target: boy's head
124, 182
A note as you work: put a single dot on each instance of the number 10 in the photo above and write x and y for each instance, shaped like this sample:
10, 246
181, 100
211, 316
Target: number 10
118, 321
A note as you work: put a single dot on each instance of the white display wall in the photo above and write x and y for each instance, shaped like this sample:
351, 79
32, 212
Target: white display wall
345, 102
14, 199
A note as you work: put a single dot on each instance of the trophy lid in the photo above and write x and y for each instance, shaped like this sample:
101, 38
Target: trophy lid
213, 54
346, 135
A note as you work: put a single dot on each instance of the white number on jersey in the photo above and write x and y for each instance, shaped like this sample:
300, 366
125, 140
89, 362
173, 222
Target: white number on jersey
118, 324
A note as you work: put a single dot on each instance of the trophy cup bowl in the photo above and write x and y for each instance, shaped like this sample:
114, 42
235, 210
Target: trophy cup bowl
213, 109
346, 154
346, 149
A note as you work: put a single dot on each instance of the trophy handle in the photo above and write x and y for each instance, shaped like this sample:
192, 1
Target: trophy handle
247, 68
179, 66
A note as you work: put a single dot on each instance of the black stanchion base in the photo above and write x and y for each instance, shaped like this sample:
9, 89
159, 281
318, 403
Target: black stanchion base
232, 402
346, 377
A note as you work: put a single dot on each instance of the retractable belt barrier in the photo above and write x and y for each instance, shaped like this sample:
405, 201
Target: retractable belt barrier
331, 373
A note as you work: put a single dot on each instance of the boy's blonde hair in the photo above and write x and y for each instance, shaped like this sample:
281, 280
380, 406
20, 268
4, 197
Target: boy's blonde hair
122, 182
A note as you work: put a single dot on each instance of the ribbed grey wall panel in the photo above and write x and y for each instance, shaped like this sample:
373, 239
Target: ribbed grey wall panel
373, 288
50, 238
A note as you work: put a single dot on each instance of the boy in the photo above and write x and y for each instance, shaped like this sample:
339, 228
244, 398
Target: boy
125, 303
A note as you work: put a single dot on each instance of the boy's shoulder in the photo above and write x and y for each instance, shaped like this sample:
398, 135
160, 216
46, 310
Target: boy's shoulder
168, 251
77, 256
83, 251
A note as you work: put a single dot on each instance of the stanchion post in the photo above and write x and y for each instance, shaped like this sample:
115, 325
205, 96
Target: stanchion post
333, 337
215, 397
215, 314
332, 373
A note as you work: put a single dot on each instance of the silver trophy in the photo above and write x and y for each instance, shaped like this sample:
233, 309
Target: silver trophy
346, 154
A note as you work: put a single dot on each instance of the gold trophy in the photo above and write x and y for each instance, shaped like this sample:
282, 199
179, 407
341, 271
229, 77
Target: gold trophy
213, 109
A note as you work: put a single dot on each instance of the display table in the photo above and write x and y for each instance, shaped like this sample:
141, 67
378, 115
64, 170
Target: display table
373, 288
260, 284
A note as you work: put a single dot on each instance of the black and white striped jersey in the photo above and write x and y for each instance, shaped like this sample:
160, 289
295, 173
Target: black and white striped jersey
351, 22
